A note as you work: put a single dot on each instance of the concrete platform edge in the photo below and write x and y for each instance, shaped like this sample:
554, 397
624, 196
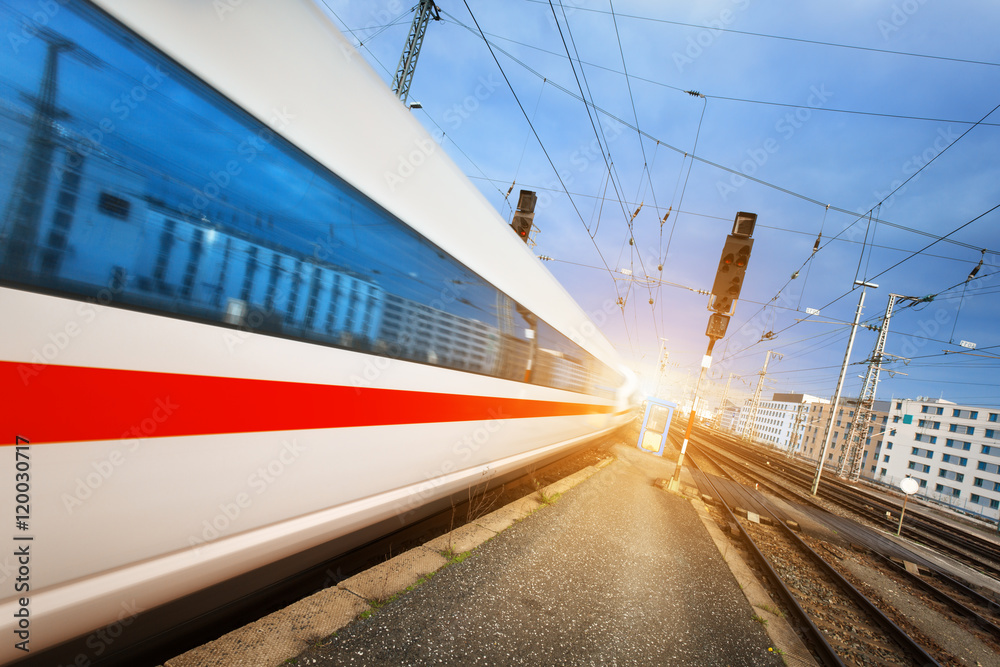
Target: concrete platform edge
286, 633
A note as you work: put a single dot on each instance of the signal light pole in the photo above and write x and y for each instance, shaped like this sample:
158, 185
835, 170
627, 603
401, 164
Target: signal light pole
725, 291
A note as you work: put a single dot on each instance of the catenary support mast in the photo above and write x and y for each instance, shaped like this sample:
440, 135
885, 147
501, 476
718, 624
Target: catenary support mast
425, 11
850, 466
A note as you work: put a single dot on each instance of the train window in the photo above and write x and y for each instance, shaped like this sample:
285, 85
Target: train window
216, 218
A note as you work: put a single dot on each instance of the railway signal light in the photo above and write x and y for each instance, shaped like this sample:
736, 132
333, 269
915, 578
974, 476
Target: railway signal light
525, 214
733, 265
717, 324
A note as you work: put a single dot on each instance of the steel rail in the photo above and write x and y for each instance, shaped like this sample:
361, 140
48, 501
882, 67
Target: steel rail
905, 642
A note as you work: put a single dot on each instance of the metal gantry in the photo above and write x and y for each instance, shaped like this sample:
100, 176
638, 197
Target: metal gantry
717, 421
425, 11
750, 425
850, 466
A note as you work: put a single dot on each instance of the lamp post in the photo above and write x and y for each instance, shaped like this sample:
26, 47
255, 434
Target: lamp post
908, 486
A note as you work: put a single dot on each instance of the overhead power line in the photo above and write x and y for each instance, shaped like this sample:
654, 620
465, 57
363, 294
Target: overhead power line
791, 39
855, 112
721, 167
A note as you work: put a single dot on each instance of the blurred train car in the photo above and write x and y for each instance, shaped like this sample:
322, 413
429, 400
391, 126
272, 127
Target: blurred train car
253, 314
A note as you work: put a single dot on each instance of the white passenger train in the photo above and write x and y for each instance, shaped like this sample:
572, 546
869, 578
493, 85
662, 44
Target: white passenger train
251, 311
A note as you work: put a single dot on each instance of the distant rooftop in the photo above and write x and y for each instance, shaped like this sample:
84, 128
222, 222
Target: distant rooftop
798, 398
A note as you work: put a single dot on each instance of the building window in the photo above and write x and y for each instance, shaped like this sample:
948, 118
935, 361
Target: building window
993, 416
991, 451
958, 444
920, 437
919, 467
988, 467
958, 428
899, 405
965, 414
954, 459
926, 453
885, 459
888, 445
947, 490
114, 206
982, 500
951, 474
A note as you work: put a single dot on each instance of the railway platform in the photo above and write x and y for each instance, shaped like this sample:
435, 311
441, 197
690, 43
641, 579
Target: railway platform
613, 571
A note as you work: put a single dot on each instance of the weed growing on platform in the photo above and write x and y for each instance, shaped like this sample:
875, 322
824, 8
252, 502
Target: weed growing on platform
760, 619
774, 610
548, 498
482, 502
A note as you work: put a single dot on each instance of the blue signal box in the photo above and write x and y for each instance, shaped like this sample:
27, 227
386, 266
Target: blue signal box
655, 424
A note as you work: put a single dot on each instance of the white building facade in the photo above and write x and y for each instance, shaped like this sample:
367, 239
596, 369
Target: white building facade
781, 421
953, 451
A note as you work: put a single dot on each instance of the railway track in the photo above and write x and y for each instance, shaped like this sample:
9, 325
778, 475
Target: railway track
836, 621
820, 594
969, 548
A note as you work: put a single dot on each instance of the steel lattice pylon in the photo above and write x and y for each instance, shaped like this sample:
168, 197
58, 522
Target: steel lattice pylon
425, 11
850, 466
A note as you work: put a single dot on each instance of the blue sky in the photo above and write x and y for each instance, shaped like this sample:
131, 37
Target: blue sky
786, 101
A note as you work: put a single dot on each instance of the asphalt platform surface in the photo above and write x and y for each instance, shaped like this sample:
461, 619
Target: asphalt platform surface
615, 572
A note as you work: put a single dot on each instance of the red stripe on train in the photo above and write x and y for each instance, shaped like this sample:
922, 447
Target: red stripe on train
70, 403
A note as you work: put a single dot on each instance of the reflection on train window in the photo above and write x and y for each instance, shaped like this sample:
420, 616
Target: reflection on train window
121, 173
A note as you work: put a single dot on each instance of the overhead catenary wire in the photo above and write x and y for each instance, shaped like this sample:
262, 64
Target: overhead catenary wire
787, 105
598, 129
716, 165
866, 245
549, 158
793, 39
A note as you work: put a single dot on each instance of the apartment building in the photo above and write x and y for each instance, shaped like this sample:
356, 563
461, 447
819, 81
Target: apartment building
871, 435
953, 451
781, 421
